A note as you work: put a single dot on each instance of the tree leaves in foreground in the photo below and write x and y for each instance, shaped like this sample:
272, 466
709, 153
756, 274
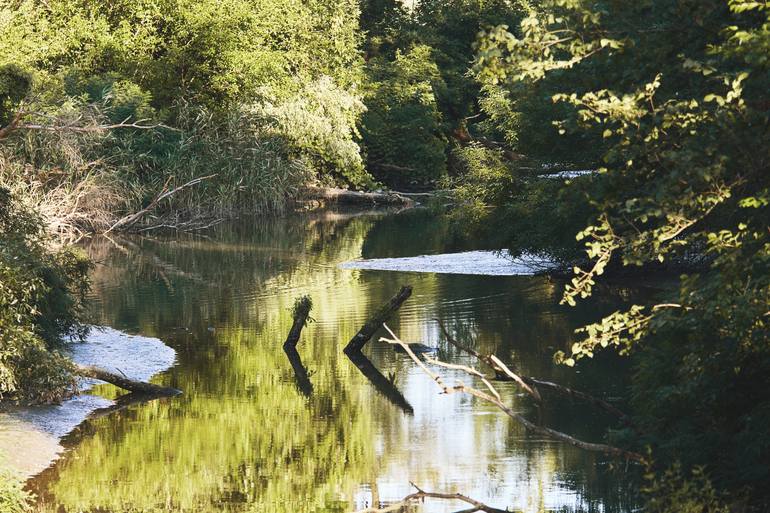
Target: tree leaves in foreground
675, 96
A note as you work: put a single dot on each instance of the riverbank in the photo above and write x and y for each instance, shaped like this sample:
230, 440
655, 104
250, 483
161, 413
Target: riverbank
30, 436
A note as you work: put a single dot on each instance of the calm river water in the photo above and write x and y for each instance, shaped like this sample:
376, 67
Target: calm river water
247, 436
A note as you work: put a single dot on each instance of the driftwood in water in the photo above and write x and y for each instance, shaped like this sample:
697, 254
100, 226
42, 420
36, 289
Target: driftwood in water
376, 321
301, 313
383, 385
334, 195
531, 384
132, 385
494, 397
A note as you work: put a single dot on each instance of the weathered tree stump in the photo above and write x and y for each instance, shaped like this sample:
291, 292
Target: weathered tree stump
301, 312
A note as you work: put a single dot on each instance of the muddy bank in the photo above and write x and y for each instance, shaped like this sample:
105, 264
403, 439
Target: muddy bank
29, 436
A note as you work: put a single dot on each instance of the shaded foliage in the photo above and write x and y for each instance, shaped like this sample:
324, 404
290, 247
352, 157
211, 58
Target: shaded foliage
668, 101
41, 302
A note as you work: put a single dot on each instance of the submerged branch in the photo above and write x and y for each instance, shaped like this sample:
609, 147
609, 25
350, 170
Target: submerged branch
503, 373
421, 495
124, 382
494, 399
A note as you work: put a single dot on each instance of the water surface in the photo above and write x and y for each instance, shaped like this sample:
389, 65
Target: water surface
252, 433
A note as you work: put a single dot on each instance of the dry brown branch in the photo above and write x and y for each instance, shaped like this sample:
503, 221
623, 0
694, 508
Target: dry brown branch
501, 372
421, 495
529, 426
164, 193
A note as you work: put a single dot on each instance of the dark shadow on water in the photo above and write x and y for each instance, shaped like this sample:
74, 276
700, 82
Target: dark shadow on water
300, 371
383, 385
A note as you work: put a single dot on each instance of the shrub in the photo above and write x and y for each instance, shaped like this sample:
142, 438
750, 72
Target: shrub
42, 293
13, 498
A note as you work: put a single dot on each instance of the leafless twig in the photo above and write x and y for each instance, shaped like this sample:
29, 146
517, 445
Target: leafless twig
503, 372
494, 399
421, 495
164, 193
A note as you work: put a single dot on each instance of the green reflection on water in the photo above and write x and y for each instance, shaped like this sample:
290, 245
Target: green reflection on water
245, 437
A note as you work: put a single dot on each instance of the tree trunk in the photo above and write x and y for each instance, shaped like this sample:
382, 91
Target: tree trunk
375, 322
355, 197
141, 387
301, 312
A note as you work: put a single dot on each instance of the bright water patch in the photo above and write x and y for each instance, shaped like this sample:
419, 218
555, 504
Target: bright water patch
29, 436
485, 263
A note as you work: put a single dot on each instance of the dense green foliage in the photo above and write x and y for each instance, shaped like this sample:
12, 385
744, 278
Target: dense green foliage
403, 125
41, 300
262, 93
669, 101
13, 498
423, 100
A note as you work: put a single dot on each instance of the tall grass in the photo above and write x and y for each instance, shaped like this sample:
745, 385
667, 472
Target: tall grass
83, 181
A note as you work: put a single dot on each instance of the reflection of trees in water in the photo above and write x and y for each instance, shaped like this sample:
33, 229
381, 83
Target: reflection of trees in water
244, 438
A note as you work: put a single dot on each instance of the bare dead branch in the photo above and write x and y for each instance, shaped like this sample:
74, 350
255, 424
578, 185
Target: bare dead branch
501, 370
515, 377
469, 370
165, 192
528, 425
421, 495
576, 394
91, 128
502, 373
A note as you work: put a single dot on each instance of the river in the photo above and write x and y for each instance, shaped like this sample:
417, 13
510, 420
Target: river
247, 436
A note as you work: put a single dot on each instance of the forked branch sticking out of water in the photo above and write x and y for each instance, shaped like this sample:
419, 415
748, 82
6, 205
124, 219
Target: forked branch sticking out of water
421, 495
492, 396
530, 384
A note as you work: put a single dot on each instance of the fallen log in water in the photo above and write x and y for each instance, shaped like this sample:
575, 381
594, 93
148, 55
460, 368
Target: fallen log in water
376, 321
124, 382
346, 196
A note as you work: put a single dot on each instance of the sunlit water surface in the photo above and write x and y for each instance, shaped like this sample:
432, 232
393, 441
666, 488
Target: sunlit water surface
247, 435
